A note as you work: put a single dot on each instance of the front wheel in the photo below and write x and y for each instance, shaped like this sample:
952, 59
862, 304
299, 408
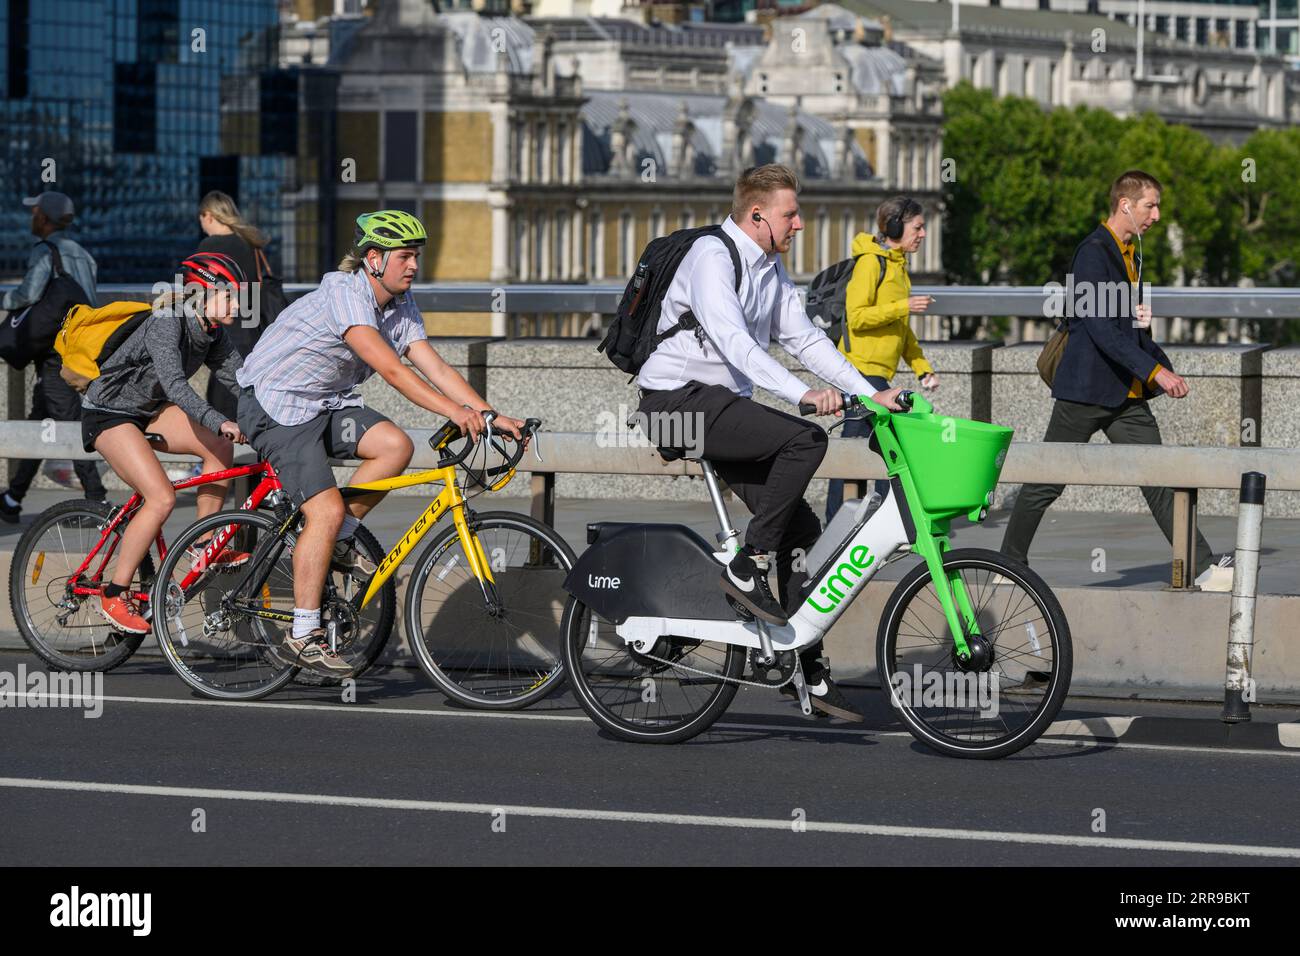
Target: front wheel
669, 695
1013, 685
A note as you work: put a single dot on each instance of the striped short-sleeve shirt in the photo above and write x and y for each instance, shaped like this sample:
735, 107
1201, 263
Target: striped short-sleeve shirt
301, 366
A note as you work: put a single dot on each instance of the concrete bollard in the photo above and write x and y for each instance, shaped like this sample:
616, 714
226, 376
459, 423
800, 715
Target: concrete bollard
1238, 690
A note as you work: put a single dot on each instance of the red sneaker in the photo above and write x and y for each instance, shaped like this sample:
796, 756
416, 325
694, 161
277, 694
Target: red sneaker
123, 614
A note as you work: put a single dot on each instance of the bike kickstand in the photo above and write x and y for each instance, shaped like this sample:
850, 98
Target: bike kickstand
801, 688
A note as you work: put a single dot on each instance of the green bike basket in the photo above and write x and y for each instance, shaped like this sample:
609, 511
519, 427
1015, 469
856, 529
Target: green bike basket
955, 462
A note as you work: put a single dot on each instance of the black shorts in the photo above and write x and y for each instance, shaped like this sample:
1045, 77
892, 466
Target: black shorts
300, 454
96, 421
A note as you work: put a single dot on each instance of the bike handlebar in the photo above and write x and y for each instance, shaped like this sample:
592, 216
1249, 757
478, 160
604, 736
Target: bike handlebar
450, 431
852, 401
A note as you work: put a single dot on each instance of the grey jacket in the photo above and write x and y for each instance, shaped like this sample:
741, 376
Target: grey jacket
77, 262
153, 367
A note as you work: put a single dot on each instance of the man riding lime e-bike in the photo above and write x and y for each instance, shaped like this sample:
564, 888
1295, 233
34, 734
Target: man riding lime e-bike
767, 457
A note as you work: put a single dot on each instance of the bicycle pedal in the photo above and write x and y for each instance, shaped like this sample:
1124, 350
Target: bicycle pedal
743, 614
801, 689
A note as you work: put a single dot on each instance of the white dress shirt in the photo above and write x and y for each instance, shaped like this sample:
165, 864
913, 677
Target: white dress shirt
738, 326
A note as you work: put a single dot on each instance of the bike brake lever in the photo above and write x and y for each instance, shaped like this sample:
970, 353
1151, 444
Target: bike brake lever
537, 446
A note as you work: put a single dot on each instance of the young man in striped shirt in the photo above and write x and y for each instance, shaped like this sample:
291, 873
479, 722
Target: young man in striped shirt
300, 407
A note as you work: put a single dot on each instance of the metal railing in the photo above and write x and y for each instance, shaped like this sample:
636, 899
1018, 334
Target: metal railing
573, 310
1184, 469
1015, 301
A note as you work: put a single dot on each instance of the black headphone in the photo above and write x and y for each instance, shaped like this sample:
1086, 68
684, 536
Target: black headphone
894, 224
755, 217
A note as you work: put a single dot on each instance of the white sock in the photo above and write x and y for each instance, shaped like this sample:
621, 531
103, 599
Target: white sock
10, 500
305, 621
349, 527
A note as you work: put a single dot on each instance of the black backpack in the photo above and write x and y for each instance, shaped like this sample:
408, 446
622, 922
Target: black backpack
631, 336
29, 335
826, 294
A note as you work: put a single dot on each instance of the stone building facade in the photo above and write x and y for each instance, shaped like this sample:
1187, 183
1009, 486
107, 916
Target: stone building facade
552, 150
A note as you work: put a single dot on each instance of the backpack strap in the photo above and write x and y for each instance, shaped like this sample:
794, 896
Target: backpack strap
54, 255
687, 319
880, 280
263, 266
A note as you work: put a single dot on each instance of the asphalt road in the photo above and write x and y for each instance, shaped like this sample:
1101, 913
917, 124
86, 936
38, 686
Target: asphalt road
400, 777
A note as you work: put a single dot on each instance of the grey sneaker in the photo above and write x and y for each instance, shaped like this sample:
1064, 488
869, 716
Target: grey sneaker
349, 559
313, 652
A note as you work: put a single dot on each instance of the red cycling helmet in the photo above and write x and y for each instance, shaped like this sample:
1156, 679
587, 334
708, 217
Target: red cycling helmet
212, 270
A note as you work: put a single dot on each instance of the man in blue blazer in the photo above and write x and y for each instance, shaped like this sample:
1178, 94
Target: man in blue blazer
1112, 367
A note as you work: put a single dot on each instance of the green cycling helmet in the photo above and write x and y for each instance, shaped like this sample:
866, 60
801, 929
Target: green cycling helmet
388, 229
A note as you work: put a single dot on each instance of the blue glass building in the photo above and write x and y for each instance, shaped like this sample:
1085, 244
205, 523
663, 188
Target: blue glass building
118, 103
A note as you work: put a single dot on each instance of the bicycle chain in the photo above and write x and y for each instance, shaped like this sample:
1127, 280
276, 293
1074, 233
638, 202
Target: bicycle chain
721, 677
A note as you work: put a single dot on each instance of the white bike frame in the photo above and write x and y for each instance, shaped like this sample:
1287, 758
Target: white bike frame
871, 545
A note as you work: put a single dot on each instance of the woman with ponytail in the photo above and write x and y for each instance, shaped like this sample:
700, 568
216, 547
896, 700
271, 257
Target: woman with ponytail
228, 233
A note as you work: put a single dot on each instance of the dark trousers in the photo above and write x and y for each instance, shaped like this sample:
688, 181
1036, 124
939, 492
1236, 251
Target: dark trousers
1130, 424
854, 428
767, 458
55, 399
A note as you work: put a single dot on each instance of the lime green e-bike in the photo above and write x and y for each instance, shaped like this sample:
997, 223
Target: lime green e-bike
972, 646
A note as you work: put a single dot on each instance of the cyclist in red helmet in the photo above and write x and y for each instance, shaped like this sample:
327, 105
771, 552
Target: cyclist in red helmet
144, 387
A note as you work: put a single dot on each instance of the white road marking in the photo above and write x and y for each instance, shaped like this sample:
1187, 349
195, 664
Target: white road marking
670, 819
1105, 741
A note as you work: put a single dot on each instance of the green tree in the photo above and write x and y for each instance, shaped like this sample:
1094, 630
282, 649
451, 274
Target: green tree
1031, 184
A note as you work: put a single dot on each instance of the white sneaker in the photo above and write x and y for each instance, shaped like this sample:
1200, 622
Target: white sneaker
1217, 577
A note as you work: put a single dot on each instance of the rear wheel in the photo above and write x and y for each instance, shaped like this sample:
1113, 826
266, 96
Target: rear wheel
65, 629
669, 695
1009, 691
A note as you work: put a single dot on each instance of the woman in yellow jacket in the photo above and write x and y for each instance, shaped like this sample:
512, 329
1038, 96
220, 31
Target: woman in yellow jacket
876, 309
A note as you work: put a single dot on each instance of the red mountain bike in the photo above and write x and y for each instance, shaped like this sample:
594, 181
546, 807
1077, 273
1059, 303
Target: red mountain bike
64, 559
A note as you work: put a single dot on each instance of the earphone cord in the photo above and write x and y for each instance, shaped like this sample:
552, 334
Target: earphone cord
1138, 234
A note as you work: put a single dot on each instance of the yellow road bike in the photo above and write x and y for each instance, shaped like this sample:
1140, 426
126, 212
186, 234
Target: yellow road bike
482, 608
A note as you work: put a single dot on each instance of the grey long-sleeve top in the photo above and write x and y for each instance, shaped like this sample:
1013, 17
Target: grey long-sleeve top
153, 367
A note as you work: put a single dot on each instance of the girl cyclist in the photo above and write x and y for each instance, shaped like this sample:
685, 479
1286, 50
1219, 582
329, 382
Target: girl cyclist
144, 387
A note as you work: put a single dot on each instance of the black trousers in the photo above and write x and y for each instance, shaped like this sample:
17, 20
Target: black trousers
55, 399
767, 458
1129, 424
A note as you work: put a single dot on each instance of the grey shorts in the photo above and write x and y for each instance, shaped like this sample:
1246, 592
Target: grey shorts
300, 454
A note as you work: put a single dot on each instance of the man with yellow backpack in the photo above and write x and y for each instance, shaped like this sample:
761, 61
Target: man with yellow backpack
877, 302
